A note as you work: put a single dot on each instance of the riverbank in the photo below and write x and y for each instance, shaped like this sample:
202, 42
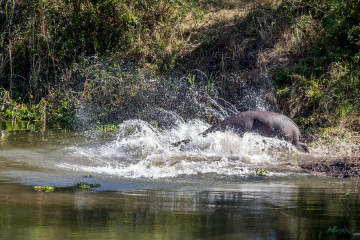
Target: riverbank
340, 168
335, 153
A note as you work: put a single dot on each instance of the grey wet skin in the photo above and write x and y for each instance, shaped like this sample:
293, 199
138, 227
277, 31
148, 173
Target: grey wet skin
265, 123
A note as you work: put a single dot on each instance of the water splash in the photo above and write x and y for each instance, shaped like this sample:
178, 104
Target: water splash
141, 150
159, 117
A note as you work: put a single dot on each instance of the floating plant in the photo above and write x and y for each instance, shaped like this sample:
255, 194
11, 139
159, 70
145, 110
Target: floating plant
86, 186
43, 188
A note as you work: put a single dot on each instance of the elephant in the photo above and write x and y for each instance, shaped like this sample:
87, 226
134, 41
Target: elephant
265, 123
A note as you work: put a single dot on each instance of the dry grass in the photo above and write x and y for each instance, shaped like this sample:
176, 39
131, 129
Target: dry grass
237, 44
334, 147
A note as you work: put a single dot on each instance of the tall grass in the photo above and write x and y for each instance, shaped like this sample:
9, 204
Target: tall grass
40, 40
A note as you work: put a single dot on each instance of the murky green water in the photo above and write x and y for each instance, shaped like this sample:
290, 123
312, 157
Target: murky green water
217, 204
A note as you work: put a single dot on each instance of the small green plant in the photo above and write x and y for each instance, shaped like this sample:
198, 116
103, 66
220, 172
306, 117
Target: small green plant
191, 80
260, 172
83, 186
43, 188
107, 128
156, 124
87, 186
88, 176
348, 195
158, 127
297, 159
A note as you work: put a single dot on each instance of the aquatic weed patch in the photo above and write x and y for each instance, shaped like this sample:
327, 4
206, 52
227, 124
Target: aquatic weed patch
87, 186
43, 188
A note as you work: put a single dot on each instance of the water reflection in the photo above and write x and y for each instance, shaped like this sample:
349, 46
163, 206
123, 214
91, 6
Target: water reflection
278, 212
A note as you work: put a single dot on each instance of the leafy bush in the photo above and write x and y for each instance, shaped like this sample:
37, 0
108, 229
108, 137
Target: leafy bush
324, 84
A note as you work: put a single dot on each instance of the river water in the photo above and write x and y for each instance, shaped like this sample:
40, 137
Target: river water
210, 188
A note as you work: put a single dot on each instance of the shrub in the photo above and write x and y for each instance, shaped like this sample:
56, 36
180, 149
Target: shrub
324, 84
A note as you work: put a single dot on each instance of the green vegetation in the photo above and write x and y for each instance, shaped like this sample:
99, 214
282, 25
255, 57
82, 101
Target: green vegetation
43, 188
322, 87
45, 49
107, 128
87, 186
348, 195
260, 172
297, 159
113, 55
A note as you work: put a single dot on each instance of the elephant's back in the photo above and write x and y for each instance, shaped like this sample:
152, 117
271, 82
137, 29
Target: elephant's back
265, 119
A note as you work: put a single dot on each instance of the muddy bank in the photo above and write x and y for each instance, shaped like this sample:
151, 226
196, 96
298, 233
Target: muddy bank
340, 168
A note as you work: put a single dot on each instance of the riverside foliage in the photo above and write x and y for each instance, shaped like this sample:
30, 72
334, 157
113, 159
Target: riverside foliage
324, 83
58, 54
40, 39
